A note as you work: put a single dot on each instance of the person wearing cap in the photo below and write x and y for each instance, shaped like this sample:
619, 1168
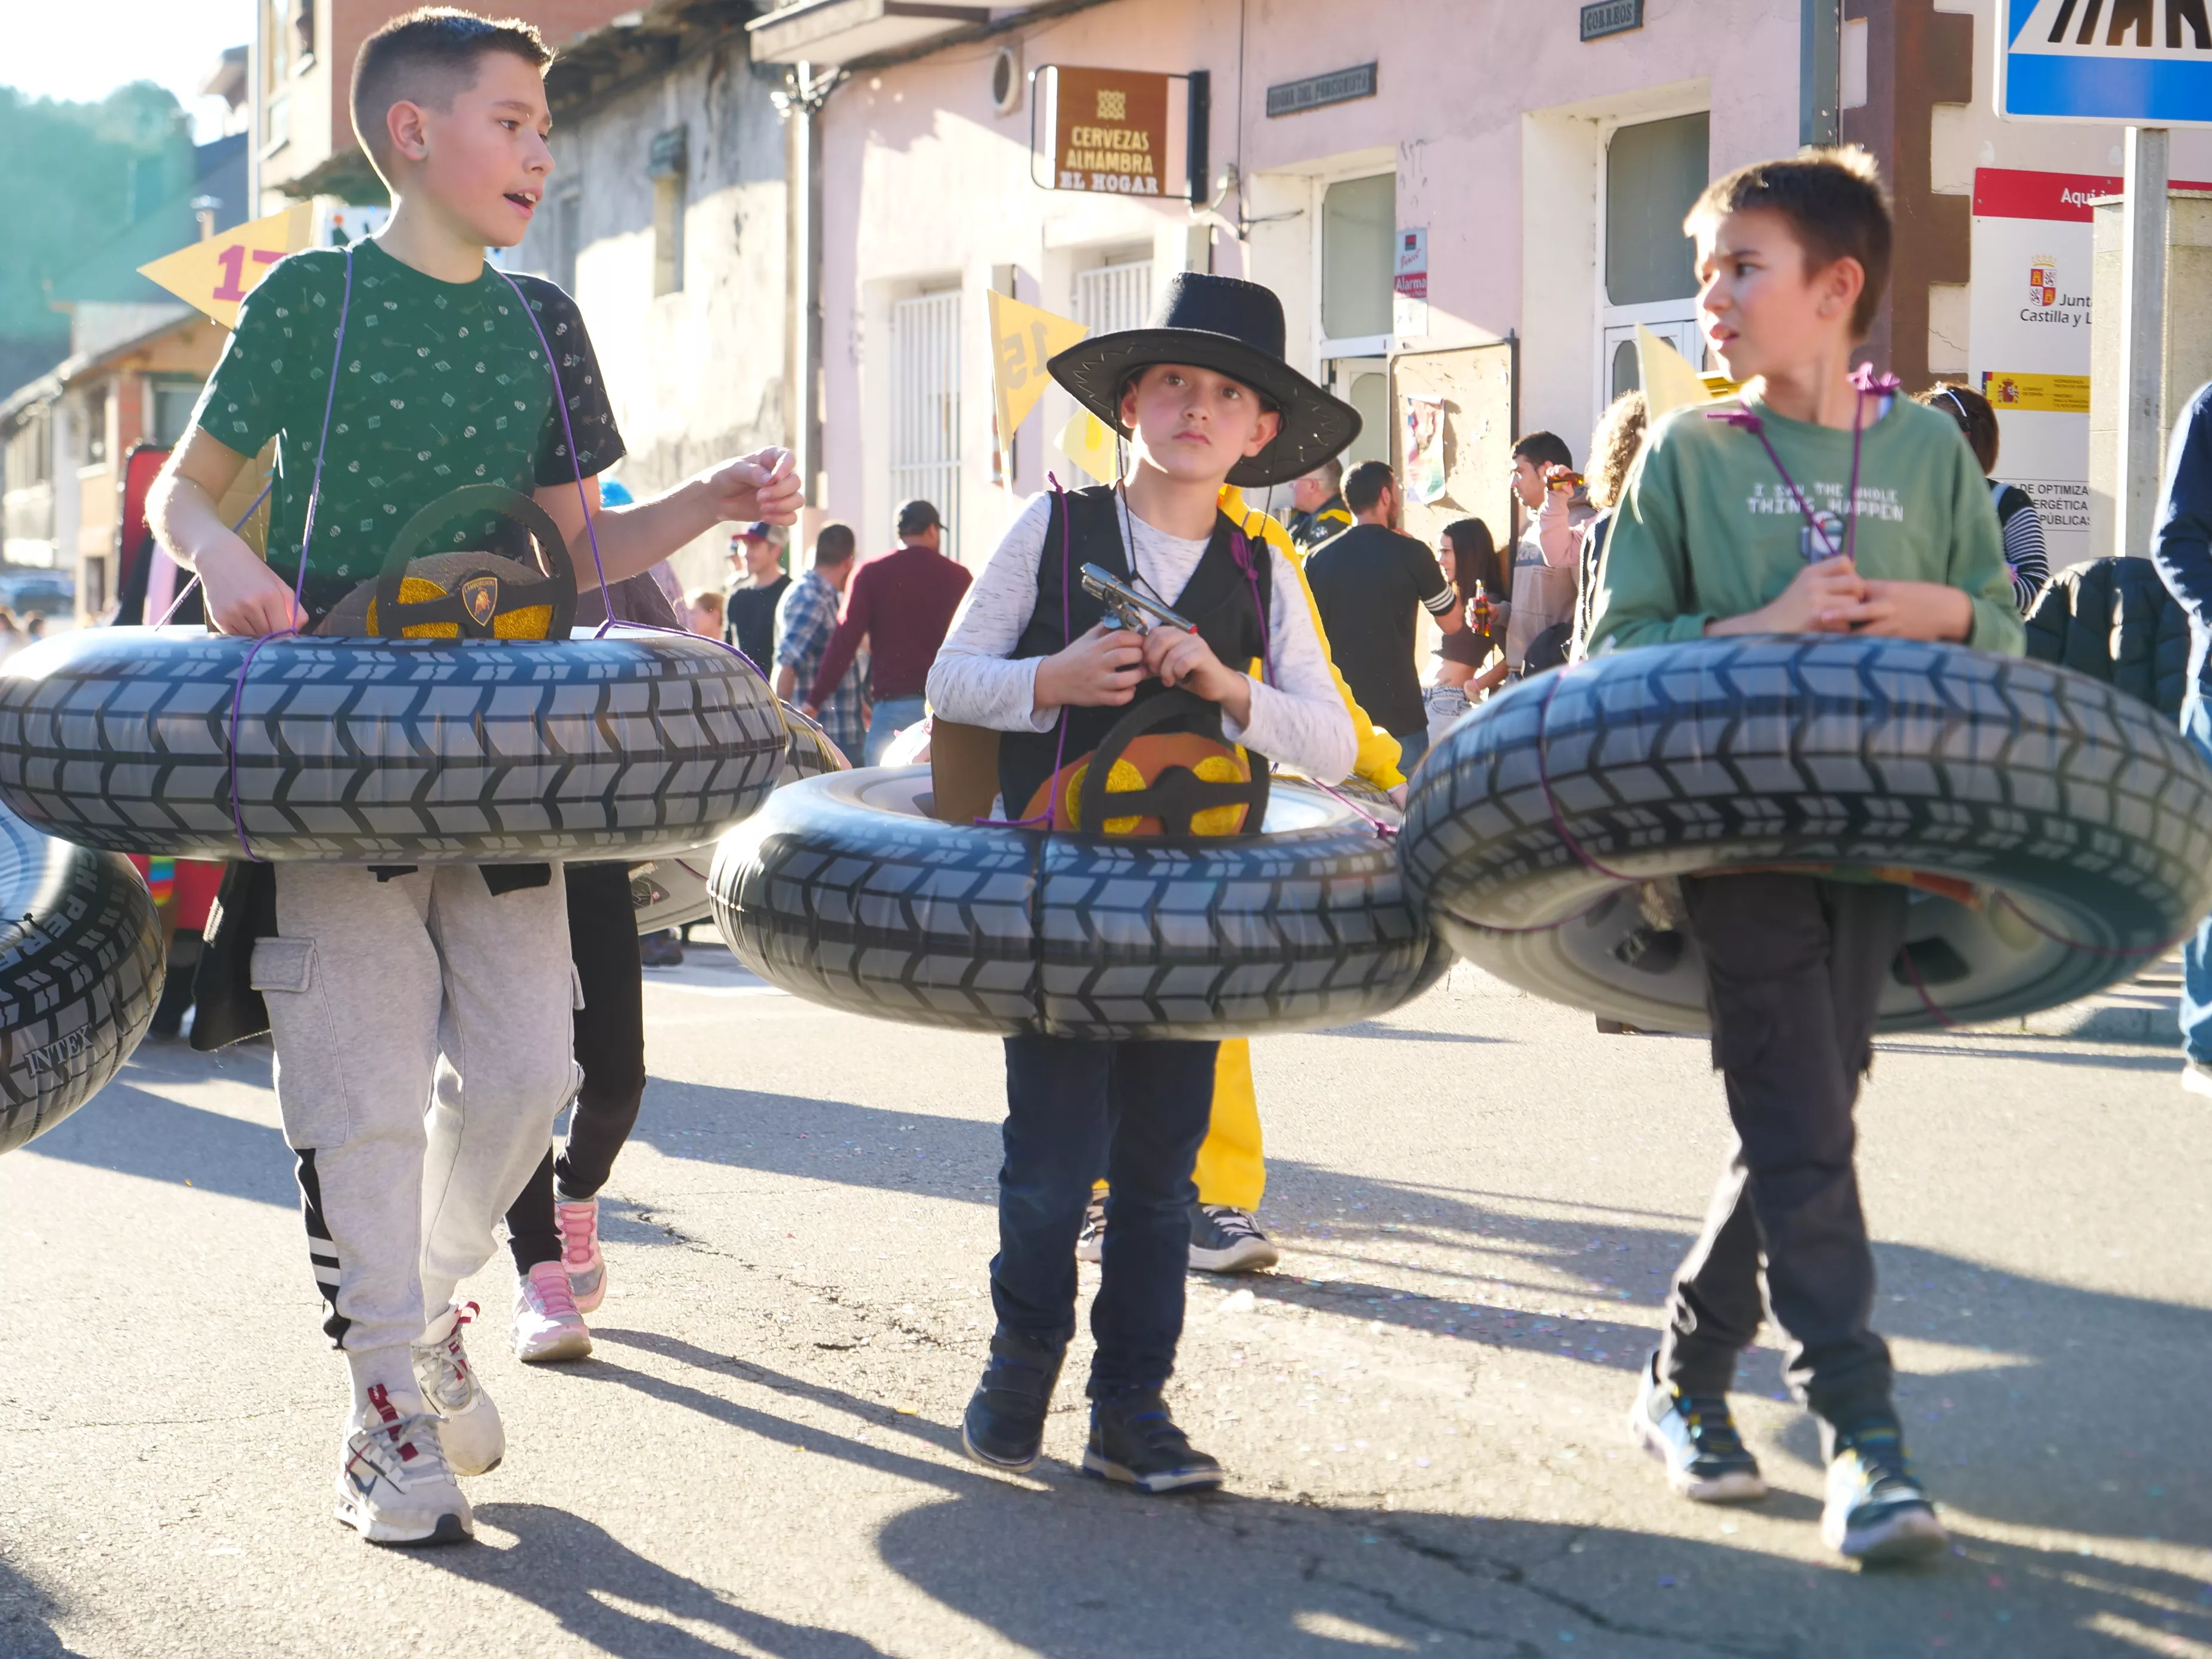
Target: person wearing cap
901, 604
1204, 397
758, 582
1317, 508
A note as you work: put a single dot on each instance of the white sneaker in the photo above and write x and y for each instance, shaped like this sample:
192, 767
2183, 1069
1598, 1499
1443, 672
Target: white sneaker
547, 1326
580, 1252
2196, 1078
1695, 1436
474, 1439
394, 1484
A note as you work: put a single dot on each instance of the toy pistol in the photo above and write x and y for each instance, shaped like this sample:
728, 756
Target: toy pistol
1129, 609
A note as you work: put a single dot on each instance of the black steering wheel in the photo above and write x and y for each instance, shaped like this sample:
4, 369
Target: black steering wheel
1178, 794
476, 601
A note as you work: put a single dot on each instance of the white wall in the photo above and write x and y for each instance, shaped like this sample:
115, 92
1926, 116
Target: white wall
696, 376
922, 177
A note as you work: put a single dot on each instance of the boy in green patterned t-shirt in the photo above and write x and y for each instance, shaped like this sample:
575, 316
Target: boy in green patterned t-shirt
388, 990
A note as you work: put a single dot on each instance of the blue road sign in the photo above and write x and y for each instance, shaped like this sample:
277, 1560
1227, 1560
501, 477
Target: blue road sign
2141, 62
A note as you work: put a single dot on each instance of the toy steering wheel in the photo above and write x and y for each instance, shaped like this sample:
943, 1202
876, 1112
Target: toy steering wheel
471, 607
1177, 795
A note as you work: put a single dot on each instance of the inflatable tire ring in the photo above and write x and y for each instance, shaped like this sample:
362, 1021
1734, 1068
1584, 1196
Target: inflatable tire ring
79, 973
2078, 805
841, 890
671, 889
385, 751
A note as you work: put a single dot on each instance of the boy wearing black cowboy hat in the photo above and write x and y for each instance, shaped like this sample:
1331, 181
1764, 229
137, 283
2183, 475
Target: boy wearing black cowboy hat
1203, 397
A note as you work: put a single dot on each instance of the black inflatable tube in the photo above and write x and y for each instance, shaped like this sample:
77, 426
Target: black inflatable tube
375, 751
841, 890
2083, 819
80, 973
671, 889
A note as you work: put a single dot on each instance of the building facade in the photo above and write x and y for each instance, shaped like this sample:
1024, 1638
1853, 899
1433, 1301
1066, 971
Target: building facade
1544, 175
665, 216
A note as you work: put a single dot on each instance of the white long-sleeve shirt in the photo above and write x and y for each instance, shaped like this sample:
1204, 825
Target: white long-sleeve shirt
1298, 721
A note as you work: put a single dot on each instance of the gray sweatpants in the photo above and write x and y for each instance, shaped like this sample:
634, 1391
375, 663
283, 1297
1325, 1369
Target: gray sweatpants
383, 997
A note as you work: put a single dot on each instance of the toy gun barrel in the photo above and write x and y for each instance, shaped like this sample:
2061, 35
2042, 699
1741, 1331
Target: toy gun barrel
1128, 608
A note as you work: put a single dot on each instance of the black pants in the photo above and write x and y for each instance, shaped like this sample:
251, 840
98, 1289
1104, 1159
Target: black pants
1794, 970
610, 1049
1138, 1111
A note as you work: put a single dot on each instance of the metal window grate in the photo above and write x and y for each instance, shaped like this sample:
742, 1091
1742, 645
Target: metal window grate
1114, 297
925, 405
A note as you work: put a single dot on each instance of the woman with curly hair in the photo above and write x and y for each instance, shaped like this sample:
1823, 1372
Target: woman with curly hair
1614, 446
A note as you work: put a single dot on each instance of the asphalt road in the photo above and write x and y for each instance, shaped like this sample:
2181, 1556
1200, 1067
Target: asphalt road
1421, 1412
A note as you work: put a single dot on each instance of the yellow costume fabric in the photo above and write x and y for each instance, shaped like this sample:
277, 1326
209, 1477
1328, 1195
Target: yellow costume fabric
1232, 1167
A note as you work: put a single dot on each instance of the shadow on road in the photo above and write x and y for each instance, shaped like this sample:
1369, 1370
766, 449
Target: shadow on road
1070, 1569
621, 1602
27, 1614
133, 1132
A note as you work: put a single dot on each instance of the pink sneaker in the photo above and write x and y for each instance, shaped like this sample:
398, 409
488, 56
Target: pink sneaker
580, 1252
547, 1326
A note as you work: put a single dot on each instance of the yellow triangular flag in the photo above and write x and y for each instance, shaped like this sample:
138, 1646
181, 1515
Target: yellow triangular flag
1088, 443
1023, 339
214, 274
1669, 382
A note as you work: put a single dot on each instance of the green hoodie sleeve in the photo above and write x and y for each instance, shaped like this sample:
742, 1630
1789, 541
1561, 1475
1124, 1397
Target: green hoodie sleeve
1645, 595
1978, 562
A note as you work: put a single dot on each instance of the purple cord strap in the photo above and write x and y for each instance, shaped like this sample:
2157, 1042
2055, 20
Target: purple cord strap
576, 461
299, 581
1067, 634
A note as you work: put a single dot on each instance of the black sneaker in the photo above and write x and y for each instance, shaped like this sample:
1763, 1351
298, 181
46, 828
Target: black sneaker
1005, 1423
1091, 1241
1227, 1240
1876, 1513
1694, 1436
1135, 1441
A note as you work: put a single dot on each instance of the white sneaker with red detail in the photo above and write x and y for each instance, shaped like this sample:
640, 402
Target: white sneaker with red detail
548, 1329
586, 1268
470, 1427
394, 1483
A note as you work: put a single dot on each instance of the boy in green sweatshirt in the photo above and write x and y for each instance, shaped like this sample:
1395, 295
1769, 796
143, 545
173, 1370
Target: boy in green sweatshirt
1821, 503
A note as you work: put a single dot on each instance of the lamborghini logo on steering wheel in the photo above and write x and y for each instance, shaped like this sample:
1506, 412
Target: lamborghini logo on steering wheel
480, 595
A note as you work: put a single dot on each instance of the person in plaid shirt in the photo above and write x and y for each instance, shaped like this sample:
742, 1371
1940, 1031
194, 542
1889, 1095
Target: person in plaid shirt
804, 619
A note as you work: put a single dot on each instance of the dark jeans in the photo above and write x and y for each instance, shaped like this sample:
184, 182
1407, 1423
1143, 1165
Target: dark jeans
610, 1049
1412, 745
1794, 969
1138, 1111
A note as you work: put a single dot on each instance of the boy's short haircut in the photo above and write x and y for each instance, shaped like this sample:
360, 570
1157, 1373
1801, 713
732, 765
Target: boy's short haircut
1834, 204
1365, 484
1543, 449
1972, 412
426, 57
834, 544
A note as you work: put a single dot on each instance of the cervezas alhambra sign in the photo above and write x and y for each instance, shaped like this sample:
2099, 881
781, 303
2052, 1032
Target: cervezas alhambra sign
1109, 130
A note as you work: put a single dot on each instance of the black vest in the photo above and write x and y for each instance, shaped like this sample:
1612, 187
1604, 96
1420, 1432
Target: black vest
1219, 598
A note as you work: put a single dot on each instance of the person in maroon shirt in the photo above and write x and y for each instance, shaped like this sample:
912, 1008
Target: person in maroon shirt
902, 604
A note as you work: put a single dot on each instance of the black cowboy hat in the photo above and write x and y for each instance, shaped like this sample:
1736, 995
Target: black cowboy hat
1233, 328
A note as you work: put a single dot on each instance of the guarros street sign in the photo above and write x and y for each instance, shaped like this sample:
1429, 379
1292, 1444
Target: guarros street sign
2139, 63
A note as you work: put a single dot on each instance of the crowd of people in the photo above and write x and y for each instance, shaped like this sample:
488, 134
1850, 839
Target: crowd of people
431, 1024
1496, 625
